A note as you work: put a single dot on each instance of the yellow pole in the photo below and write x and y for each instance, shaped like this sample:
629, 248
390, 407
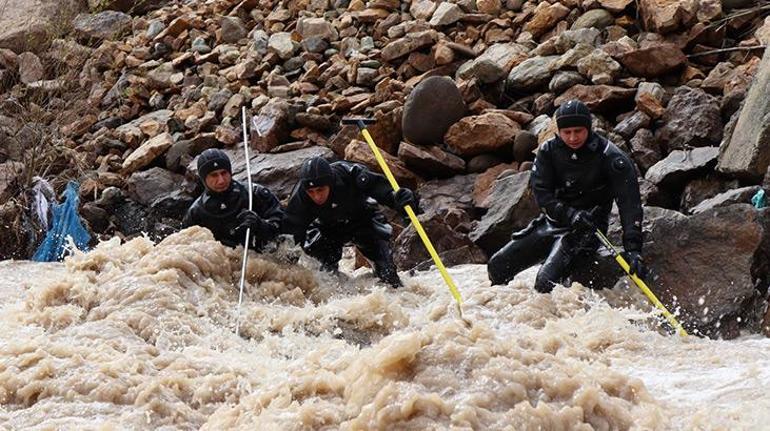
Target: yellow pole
641, 284
413, 217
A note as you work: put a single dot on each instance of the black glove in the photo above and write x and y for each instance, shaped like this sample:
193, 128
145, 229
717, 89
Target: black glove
249, 220
404, 197
635, 263
582, 220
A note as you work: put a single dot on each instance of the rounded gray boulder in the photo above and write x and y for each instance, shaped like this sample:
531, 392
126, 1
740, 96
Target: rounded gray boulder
430, 109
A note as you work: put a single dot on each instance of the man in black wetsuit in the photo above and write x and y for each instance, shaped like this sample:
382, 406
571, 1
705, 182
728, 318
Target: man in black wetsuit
334, 204
575, 178
223, 207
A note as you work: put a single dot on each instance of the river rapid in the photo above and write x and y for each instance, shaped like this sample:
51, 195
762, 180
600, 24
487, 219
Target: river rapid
142, 336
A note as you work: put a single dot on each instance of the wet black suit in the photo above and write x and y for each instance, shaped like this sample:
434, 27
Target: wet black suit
349, 215
219, 213
563, 181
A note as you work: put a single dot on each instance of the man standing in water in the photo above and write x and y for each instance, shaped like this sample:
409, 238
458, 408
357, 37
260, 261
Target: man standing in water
575, 178
223, 207
334, 204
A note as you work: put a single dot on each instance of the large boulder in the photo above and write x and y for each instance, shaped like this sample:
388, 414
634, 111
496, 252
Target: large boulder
270, 128
599, 98
494, 64
31, 69
132, 133
545, 17
161, 190
531, 74
665, 16
747, 152
107, 25
482, 134
430, 109
654, 60
147, 152
703, 264
280, 171
430, 161
511, 207
405, 45
486, 180
454, 192
692, 119
182, 152
26, 25
736, 196
453, 247
680, 166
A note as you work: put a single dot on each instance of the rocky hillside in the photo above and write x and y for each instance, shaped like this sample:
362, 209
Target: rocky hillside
122, 96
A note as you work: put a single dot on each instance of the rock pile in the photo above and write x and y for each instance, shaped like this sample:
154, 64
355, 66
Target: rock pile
462, 93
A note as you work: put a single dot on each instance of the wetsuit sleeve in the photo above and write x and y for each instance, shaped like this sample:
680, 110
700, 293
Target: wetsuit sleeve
373, 184
191, 217
268, 207
625, 188
296, 218
543, 183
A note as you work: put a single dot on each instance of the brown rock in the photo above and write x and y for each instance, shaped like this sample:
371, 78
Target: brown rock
651, 106
227, 135
731, 236
654, 60
665, 16
482, 162
386, 131
422, 9
545, 17
453, 247
430, 160
147, 152
443, 54
175, 28
270, 127
481, 134
79, 126
453, 192
491, 7
645, 149
359, 151
692, 119
343, 138
484, 181
511, 206
405, 45
615, 6
598, 97
27, 25
8, 59
746, 153
30, 68
743, 77
523, 146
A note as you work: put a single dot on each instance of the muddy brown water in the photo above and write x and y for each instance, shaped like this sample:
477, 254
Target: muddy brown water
141, 336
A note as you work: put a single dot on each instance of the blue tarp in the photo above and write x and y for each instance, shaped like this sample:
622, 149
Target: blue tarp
66, 224
759, 200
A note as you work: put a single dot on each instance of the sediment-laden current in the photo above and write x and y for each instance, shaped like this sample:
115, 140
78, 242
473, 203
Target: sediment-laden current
142, 336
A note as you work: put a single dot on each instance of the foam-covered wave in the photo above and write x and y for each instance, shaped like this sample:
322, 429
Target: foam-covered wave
141, 336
